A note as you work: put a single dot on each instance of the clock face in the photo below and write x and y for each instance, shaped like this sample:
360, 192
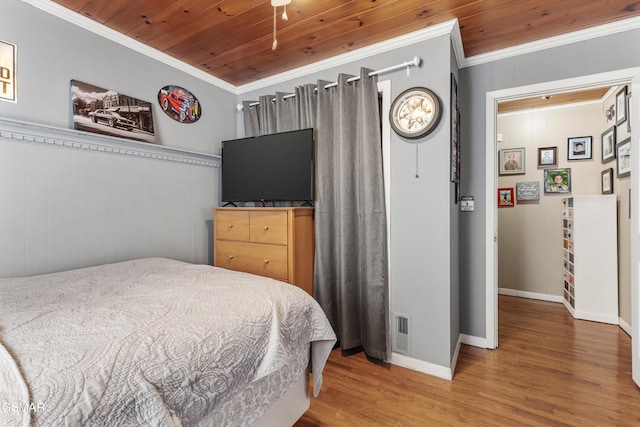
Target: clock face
415, 113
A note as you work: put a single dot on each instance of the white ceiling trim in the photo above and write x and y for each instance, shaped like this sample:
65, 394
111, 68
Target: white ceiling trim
450, 27
131, 43
551, 42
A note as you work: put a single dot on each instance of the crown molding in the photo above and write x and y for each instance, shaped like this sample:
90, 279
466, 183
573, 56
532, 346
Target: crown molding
442, 29
450, 27
126, 41
551, 42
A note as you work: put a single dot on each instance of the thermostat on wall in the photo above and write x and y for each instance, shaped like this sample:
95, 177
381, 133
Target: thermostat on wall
466, 203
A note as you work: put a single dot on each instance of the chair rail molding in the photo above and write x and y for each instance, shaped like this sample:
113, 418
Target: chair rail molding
31, 133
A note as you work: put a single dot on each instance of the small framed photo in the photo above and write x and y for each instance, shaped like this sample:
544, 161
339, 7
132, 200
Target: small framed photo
621, 105
547, 156
608, 139
528, 190
623, 158
557, 181
512, 161
505, 197
629, 112
607, 181
579, 148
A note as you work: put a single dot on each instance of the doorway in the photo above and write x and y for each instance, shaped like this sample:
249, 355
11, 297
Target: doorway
621, 77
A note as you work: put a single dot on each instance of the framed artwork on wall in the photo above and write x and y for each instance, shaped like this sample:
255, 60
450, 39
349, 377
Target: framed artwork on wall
557, 181
579, 148
528, 190
455, 132
547, 156
623, 158
512, 161
608, 141
8, 66
621, 105
505, 197
607, 181
112, 113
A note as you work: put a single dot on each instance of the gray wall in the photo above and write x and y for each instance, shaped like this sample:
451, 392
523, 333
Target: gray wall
585, 58
65, 208
423, 228
52, 52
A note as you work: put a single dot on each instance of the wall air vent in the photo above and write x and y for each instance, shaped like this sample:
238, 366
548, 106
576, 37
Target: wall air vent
401, 334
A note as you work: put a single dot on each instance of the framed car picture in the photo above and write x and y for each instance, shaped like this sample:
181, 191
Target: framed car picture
109, 112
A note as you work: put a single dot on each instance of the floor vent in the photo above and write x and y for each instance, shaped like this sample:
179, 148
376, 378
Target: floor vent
401, 341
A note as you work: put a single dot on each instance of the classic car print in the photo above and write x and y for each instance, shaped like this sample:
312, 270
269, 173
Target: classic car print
112, 119
179, 104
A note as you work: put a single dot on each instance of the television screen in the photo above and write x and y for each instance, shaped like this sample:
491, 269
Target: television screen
269, 168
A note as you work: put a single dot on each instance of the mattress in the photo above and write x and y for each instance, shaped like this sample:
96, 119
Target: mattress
153, 342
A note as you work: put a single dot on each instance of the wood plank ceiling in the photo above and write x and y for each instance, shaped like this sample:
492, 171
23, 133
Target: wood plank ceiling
231, 39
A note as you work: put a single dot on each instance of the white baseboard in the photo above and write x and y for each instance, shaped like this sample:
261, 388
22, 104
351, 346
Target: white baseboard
530, 295
422, 366
624, 326
473, 341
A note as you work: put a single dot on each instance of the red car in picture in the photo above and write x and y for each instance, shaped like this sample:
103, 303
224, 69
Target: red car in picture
179, 102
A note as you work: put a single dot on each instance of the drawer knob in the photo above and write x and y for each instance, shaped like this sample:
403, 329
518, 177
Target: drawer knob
230, 225
266, 261
266, 227
230, 256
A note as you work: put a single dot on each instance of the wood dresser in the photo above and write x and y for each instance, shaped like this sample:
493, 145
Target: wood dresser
273, 242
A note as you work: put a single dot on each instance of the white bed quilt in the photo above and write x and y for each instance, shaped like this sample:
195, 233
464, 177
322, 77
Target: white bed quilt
152, 342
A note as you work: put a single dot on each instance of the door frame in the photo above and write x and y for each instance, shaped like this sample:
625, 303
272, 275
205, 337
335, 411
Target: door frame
627, 76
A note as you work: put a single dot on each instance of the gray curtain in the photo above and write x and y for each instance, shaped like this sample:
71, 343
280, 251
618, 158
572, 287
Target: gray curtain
350, 280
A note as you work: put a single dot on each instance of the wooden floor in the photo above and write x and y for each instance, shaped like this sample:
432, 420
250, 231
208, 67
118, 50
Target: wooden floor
549, 370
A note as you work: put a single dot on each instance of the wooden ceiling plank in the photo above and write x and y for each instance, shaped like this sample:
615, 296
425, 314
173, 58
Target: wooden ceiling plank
318, 49
303, 37
243, 30
537, 23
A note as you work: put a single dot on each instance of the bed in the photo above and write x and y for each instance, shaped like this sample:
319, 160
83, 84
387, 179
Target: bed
158, 342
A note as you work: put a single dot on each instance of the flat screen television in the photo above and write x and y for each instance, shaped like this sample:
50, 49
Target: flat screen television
269, 168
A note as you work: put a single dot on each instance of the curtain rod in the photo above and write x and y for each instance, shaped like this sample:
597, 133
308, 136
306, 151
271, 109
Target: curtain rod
415, 62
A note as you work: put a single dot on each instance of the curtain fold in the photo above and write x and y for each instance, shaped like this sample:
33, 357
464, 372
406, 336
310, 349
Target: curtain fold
350, 277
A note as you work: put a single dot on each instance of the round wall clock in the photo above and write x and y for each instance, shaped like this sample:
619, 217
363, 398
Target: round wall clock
415, 113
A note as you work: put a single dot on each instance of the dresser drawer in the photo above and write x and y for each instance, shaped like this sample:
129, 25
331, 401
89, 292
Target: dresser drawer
232, 225
257, 258
268, 227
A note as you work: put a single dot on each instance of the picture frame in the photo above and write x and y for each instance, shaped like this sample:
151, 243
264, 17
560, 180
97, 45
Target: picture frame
8, 66
505, 197
629, 112
579, 148
528, 191
553, 185
621, 105
512, 161
623, 158
607, 181
109, 112
608, 142
547, 156
455, 132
